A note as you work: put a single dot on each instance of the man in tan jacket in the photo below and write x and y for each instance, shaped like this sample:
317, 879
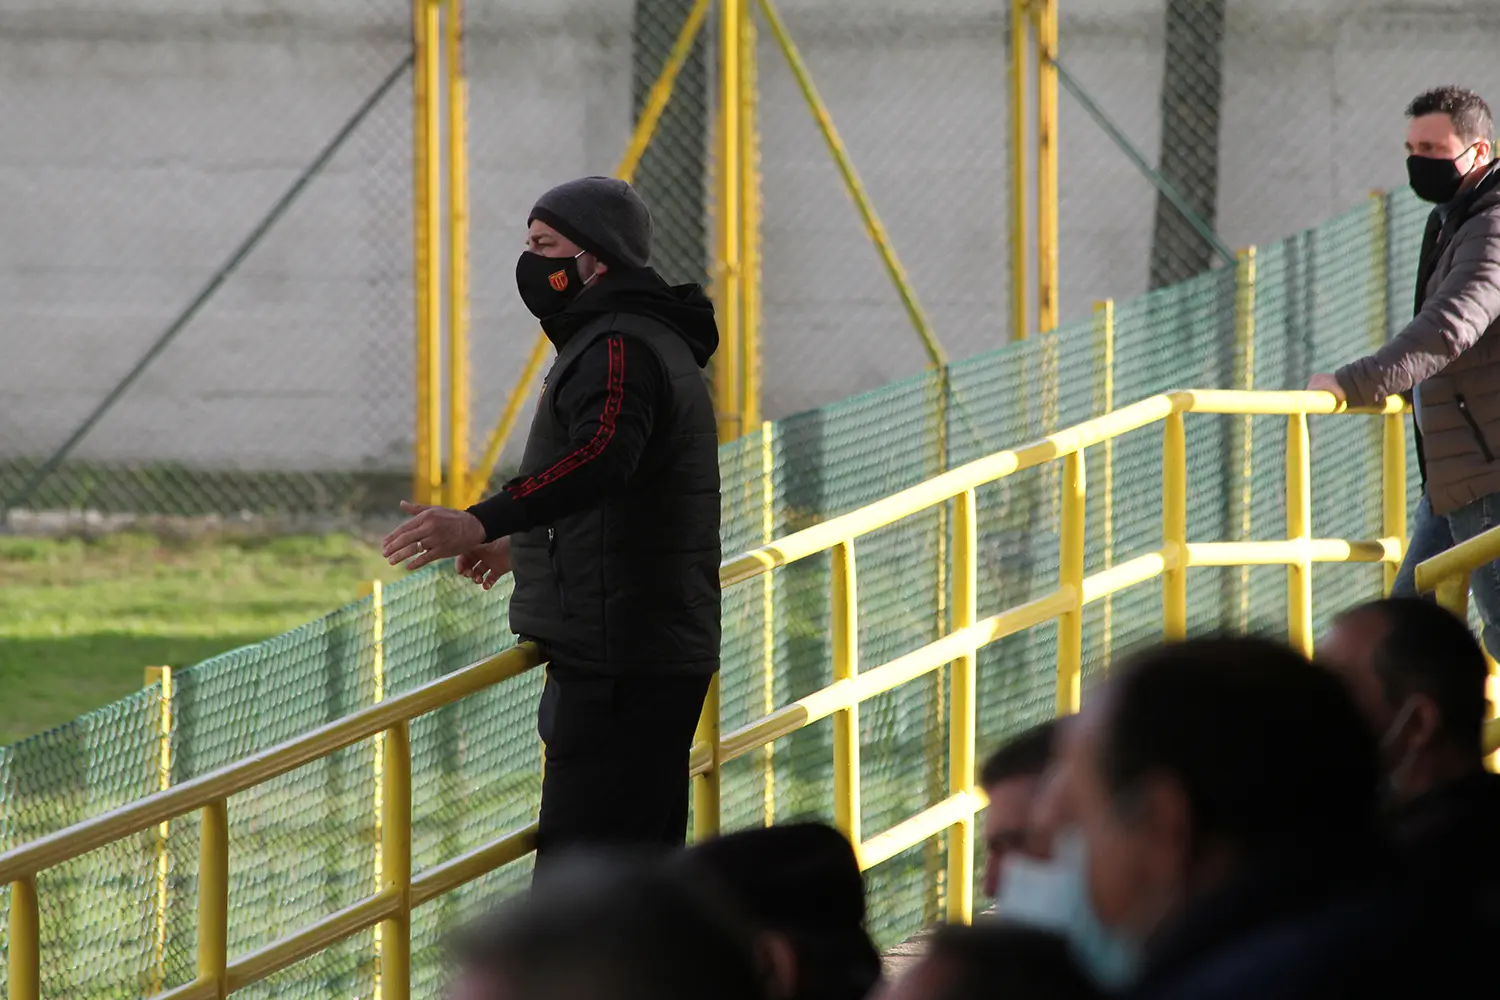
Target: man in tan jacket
1448, 356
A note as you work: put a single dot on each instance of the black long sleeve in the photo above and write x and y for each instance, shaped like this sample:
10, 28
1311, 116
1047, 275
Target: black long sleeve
608, 400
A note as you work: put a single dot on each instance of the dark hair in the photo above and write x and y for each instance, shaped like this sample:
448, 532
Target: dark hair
1428, 650
1470, 115
991, 958
1025, 756
803, 881
1268, 750
612, 928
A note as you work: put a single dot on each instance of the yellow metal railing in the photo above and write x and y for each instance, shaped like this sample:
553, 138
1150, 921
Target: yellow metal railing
1447, 576
400, 890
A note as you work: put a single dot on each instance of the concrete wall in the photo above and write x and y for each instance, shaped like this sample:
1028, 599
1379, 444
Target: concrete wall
142, 144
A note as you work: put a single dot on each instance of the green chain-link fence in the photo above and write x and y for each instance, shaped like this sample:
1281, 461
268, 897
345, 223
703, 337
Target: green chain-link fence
303, 845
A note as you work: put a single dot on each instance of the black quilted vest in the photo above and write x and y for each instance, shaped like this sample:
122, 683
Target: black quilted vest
630, 587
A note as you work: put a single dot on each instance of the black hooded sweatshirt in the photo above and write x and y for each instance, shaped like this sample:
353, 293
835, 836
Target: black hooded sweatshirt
614, 515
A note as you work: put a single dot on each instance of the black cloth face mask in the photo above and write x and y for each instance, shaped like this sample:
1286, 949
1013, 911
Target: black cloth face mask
1435, 178
548, 284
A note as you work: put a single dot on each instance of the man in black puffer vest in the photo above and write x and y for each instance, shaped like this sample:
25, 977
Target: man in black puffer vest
611, 526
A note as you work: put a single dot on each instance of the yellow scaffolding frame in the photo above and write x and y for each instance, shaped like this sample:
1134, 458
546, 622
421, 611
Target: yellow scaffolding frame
400, 890
1033, 32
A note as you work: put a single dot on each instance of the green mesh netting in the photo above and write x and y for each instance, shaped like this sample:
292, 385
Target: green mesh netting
303, 845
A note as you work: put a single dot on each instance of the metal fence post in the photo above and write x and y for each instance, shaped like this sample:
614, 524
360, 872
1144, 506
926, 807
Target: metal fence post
213, 898
162, 676
395, 958
768, 607
707, 817
749, 193
1070, 574
1393, 489
457, 195
1046, 163
963, 707
427, 474
846, 799
1174, 528
1244, 378
727, 276
375, 592
1104, 328
1299, 528
1020, 314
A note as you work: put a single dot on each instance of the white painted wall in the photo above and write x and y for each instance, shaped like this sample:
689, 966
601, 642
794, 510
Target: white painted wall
142, 140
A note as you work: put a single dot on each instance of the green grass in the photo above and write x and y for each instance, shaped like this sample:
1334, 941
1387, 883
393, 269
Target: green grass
81, 619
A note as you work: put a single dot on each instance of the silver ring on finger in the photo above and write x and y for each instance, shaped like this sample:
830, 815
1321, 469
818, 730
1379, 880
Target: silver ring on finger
421, 549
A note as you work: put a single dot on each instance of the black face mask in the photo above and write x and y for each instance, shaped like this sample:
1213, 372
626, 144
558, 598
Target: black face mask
1434, 178
548, 284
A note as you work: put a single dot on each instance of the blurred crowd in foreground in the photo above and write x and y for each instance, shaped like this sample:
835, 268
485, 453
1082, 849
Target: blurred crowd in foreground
1222, 820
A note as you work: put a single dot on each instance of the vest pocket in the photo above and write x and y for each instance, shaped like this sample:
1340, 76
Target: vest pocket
557, 580
1463, 408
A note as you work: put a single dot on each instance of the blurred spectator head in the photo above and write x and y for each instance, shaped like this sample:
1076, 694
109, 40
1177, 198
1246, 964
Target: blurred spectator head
991, 959
801, 889
1199, 761
1010, 778
1418, 675
603, 928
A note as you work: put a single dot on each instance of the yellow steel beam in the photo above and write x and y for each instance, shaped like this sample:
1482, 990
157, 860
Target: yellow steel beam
465, 868
1299, 528
456, 488
963, 707
1070, 578
1046, 164
936, 356
727, 383
1174, 528
1393, 488
1019, 237
24, 959
845, 613
706, 784
427, 477
213, 895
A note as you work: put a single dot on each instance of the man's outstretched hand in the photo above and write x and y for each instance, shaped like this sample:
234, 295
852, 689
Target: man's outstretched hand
431, 534
486, 563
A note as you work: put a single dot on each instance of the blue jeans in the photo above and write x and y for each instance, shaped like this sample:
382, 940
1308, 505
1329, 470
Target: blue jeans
1431, 534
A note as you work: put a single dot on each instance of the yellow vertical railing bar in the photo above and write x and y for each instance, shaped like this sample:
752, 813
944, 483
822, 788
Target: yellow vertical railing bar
427, 96
1244, 357
749, 176
1019, 36
1299, 526
1174, 528
1453, 594
395, 832
1046, 164
213, 898
24, 958
376, 593
1393, 488
1070, 573
1104, 326
874, 228
963, 706
845, 615
768, 606
707, 817
727, 277
645, 128
457, 191
162, 676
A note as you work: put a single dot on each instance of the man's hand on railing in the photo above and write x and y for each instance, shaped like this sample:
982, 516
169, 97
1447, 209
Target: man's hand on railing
1327, 383
433, 533
486, 563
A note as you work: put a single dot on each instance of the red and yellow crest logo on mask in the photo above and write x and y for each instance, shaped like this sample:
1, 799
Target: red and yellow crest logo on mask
558, 280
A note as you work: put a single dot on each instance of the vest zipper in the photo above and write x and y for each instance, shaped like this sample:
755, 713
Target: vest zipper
556, 571
1463, 408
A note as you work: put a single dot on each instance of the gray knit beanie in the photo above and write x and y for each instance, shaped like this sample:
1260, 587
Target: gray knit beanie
603, 215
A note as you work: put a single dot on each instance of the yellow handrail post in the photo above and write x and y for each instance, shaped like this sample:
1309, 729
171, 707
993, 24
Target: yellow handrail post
1393, 489
24, 961
1070, 573
1020, 312
457, 192
845, 615
1104, 328
727, 276
874, 228
1046, 164
1244, 378
395, 956
1174, 528
963, 707
375, 592
162, 676
427, 476
213, 898
1299, 528
707, 817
